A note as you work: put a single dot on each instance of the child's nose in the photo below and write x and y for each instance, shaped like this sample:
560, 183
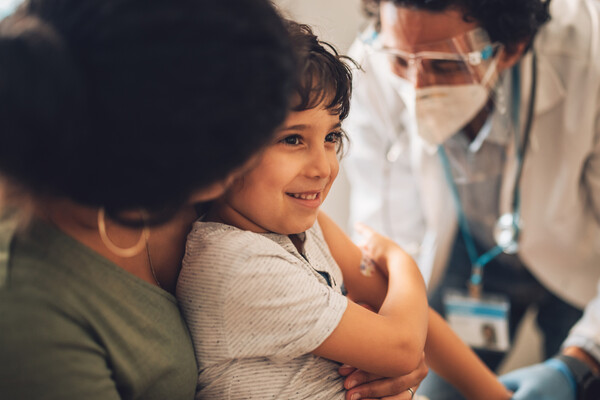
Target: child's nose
319, 165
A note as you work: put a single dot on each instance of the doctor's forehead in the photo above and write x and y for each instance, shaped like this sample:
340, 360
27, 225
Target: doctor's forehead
406, 28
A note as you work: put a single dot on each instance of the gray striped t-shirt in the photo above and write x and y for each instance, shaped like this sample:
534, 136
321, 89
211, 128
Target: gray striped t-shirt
256, 308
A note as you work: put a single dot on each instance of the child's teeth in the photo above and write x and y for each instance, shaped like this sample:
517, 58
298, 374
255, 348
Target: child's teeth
305, 196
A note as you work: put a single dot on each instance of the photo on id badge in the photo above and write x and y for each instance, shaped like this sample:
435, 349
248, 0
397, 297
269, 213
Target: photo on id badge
480, 322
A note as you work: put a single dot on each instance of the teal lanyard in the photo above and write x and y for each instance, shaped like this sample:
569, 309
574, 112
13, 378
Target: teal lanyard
479, 261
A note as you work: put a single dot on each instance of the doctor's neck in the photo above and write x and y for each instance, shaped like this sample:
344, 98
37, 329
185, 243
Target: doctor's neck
471, 130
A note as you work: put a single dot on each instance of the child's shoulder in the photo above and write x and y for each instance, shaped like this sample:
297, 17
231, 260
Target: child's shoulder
216, 237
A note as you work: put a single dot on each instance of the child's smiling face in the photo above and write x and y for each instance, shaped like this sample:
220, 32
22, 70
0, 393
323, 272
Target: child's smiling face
284, 191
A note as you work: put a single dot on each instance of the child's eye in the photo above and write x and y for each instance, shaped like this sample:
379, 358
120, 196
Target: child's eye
292, 140
334, 137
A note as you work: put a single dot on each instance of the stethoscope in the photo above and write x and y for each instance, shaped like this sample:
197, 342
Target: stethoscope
508, 227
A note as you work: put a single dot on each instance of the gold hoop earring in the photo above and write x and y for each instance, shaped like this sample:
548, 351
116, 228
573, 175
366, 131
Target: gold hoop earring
120, 251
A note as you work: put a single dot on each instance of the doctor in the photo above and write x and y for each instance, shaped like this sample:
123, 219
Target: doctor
476, 145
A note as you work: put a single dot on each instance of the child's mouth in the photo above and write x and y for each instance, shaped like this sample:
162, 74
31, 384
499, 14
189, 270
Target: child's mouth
304, 196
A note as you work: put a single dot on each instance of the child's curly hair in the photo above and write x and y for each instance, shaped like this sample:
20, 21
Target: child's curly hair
324, 76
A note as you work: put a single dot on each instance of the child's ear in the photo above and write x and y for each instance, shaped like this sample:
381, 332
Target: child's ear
210, 192
219, 188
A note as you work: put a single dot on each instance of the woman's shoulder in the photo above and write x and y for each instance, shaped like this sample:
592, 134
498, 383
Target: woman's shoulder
50, 273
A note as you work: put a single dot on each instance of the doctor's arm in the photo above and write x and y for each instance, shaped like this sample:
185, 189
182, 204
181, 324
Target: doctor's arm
444, 351
554, 379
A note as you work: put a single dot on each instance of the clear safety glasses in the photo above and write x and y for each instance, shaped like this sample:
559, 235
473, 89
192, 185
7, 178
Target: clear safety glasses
463, 59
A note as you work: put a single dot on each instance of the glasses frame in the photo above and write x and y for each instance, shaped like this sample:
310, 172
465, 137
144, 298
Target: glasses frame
472, 59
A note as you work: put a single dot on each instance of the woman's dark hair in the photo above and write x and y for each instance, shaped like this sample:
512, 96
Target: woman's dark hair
506, 21
138, 103
324, 74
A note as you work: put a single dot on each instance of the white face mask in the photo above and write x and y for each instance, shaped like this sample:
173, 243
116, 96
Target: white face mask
441, 111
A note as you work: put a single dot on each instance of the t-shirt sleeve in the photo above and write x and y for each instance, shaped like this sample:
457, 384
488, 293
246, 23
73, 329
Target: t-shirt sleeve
279, 310
41, 345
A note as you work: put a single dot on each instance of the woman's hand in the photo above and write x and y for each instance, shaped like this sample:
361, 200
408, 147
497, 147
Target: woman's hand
362, 385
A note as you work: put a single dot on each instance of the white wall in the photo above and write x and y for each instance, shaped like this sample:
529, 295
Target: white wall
7, 6
336, 21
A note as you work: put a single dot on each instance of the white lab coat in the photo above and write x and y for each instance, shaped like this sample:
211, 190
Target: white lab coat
408, 198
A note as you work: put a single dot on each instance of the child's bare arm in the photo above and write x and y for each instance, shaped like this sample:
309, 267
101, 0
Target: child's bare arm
389, 343
444, 350
367, 290
453, 360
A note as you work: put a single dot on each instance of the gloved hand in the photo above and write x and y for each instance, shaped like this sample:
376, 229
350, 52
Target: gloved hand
545, 381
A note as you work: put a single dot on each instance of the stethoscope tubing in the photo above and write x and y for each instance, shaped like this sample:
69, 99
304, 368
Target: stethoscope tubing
479, 261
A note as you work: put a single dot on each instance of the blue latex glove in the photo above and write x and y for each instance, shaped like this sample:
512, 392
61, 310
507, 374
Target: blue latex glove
551, 380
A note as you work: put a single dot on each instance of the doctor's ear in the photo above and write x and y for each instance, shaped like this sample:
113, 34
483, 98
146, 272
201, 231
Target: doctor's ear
511, 54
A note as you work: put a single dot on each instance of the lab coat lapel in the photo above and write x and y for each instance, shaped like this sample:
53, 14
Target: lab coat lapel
439, 212
549, 93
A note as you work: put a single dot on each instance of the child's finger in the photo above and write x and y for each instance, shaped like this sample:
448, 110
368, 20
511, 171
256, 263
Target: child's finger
346, 370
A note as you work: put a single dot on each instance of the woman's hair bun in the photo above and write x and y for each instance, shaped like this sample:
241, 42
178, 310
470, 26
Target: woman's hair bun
41, 90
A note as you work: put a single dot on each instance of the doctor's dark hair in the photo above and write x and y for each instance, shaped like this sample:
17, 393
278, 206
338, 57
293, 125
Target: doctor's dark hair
138, 103
324, 74
506, 21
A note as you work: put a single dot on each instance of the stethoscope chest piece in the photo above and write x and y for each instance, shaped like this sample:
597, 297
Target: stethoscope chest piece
506, 233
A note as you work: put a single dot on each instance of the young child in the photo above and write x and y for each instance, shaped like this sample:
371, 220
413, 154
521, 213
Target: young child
262, 294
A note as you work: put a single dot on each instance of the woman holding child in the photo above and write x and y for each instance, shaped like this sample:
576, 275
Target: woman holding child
115, 118
261, 285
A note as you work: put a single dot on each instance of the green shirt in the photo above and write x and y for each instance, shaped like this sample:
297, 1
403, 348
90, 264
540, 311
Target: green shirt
73, 325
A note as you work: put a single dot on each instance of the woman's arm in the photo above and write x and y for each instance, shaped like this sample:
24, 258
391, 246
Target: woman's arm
453, 360
389, 343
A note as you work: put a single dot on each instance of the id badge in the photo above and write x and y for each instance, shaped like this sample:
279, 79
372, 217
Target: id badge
482, 322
